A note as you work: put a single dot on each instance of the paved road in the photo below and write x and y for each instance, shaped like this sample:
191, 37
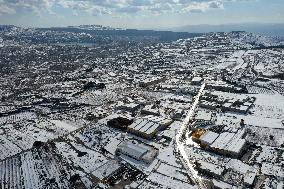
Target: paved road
180, 141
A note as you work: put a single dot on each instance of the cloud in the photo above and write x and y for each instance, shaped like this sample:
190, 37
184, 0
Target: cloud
203, 6
36, 6
136, 6
4, 9
114, 7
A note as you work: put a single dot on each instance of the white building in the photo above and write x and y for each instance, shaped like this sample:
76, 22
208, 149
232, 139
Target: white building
137, 151
148, 126
227, 143
208, 137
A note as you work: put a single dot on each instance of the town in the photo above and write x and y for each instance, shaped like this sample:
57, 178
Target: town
111, 111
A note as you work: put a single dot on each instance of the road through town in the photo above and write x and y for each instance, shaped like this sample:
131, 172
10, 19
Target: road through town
181, 137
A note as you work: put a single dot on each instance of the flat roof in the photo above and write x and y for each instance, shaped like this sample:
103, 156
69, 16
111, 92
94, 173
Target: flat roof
149, 124
153, 128
140, 125
232, 142
131, 149
209, 137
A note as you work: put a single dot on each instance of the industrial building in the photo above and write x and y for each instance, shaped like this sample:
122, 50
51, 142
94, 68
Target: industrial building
148, 126
137, 151
226, 143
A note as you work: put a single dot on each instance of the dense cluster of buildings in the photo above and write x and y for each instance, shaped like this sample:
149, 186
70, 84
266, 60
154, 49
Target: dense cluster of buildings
107, 114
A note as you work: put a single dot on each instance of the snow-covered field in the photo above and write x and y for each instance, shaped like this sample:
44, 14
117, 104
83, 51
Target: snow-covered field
267, 111
37, 168
89, 162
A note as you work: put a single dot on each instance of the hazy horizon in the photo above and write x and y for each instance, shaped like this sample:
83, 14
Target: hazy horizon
142, 14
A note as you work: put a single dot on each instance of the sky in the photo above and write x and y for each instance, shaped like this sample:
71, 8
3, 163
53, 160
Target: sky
140, 14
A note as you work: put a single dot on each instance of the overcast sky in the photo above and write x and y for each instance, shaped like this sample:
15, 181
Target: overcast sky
140, 14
